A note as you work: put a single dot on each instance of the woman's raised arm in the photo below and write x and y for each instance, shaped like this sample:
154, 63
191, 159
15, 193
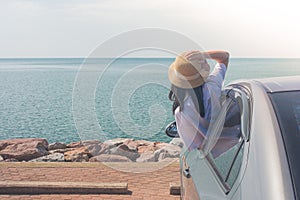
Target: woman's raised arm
217, 55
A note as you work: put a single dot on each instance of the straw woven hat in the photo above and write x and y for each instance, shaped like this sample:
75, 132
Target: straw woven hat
185, 74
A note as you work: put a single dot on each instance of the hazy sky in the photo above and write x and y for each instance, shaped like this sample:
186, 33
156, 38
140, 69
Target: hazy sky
57, 28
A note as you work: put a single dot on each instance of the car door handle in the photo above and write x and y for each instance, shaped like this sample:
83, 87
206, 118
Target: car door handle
186, 173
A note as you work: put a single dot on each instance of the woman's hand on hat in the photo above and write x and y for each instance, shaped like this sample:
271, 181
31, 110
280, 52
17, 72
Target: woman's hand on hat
189, 53
195, 55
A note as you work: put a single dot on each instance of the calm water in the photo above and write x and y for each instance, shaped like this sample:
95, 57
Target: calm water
71, 99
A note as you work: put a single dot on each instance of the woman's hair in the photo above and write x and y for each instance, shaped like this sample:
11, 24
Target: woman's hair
177, 95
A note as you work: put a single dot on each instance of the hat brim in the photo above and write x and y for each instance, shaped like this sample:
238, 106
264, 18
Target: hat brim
183, 83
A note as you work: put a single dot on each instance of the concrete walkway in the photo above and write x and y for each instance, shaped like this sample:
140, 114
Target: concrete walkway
89, 180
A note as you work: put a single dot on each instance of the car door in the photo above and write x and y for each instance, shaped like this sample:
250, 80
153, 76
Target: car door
188, 189
216, 171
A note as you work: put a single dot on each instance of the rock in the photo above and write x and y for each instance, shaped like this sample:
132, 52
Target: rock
11, 160
57, 145
160, 145
77, 155
169, 151
109, 158
147, 149
106, 148
116, 150
147, 157
145, 143
150, 147
56, 157
177, 142
123, 150
132, 144
23, 149
75, 145
93, 146
117, 141
60, 150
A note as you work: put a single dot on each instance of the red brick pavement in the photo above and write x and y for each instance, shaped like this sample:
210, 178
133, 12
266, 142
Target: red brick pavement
151, 182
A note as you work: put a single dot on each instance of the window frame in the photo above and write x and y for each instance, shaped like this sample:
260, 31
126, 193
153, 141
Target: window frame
242, 95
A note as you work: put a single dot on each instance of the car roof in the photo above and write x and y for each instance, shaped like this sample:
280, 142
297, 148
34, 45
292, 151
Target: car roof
280, 84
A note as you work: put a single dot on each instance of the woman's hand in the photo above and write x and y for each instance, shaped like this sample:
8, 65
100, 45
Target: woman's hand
219, 56
195, 55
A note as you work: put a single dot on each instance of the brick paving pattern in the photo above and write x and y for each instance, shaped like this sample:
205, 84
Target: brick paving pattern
144, 185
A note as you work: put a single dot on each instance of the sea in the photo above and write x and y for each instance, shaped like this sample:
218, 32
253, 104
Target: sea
72, 99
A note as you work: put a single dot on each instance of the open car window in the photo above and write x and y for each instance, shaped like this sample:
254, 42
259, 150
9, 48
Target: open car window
225, 148
226, 129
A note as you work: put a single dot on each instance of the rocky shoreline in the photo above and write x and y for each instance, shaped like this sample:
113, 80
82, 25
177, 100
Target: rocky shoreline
115, 150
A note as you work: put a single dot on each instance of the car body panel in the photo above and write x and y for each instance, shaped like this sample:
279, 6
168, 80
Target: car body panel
187, 183
280, 84
201, 169
267, 175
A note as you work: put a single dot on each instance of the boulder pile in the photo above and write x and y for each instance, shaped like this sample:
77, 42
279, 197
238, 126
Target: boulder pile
116, 150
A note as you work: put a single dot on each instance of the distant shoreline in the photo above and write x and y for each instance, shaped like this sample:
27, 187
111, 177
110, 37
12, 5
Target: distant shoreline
136, 58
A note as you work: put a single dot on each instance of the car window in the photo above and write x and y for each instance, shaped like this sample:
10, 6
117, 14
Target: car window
226, 156
297, 114
230, 162
287, 109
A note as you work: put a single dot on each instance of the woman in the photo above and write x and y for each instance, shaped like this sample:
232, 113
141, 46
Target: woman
196, 93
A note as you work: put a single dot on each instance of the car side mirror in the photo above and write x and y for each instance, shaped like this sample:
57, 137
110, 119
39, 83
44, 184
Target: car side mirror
171, 130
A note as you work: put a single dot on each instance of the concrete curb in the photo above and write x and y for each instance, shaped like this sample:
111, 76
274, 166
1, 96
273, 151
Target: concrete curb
175, 189
86, 164
37, 187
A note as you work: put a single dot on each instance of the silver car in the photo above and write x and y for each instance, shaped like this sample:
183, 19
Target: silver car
264, 162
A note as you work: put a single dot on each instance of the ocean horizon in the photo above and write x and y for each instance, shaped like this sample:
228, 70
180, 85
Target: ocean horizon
49, 97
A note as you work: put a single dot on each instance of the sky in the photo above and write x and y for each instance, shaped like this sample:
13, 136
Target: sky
64, 28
